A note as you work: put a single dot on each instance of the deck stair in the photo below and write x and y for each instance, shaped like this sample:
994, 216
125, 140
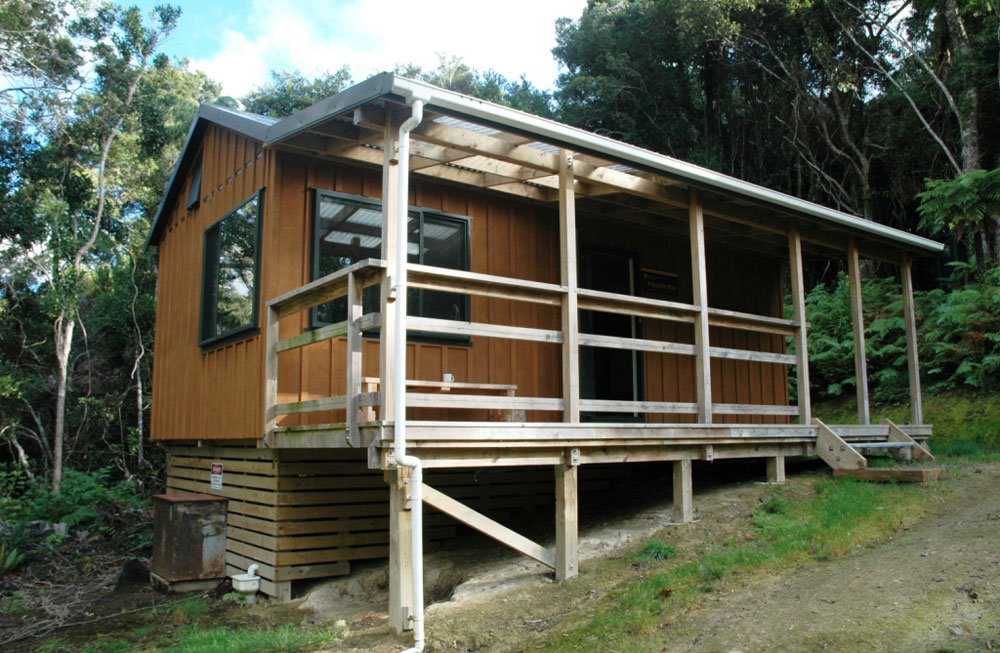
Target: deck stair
846, 458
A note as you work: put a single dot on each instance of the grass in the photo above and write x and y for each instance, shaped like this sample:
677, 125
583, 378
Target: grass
198, 624
825, 520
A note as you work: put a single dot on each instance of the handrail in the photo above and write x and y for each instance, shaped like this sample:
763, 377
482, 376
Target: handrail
326, 288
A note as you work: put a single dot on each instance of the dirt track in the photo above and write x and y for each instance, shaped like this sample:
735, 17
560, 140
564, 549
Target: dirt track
934, 587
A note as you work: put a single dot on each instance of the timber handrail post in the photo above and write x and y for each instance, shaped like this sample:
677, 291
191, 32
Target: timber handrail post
858, 323
271, 371
354, 351
699, 283
799, 315
912, 358
568, 278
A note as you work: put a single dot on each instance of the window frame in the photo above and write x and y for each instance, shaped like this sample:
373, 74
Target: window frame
421, 215
210, 265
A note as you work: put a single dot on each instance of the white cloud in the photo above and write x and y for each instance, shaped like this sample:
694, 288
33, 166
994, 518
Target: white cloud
314, 37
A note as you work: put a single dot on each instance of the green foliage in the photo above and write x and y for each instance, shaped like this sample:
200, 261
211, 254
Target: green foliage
655, 550
82, 504
290, 91
245, 640
958, 337
960, 204
10, 559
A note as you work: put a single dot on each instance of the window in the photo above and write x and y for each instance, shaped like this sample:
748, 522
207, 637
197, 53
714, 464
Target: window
347, 229
194, 191
230, 272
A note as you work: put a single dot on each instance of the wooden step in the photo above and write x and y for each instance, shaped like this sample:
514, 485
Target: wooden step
887, 474
883, 445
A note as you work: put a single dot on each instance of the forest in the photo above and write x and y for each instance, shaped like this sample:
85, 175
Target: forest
887, 109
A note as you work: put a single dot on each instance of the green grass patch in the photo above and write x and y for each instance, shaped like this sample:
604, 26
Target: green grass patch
195, 639
833, 517
655, 550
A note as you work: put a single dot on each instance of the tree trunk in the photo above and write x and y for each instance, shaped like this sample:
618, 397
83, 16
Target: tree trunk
138, 401
64, 327
968, 103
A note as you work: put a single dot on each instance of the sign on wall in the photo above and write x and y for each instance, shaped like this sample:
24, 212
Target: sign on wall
216, 482
657, 284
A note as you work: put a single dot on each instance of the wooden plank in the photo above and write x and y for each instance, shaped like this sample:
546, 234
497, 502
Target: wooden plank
335, 330
422, 383
683, 511
799, 315
606, 302
756, 356
755, 409
570, 313
230, 478
325, 288
699, 281
612, 406
636, 344
228, 491
484, 285
858, 324
487, 526
481, 329
912, 357
567, 554
834, 451
245, 466
435, 400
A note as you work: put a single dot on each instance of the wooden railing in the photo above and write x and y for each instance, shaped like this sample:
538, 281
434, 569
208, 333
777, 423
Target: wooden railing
351, 281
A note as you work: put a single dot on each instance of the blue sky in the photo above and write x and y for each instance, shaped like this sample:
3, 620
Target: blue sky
238, 43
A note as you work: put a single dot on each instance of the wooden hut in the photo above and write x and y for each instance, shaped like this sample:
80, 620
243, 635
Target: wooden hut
571, 300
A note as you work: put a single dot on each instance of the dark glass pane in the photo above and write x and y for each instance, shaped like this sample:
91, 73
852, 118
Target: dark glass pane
235, 277
346, 232
444, 245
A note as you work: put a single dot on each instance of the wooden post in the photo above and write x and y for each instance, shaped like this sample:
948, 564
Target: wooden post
776, 470
699, 283
799, 315
390, 182
683, 495
912, 360
567, 277
567, 551
858, 320
354, 344
271, 372
400, 553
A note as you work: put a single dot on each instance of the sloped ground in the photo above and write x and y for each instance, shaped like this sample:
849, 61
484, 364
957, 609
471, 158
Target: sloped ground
935, 586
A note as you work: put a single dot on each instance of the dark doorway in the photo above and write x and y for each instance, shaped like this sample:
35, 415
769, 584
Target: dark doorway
609, 373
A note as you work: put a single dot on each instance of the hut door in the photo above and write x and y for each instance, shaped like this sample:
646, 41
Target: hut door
609, 373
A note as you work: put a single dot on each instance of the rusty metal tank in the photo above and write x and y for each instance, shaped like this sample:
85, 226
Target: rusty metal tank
189, 538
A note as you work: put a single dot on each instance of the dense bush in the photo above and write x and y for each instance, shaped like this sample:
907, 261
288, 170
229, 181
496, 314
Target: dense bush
958, 337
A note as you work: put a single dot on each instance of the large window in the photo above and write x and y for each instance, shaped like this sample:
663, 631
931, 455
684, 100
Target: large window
347, 229
230, 272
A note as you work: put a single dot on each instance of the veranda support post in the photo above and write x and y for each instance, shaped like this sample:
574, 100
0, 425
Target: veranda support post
858, 322
699, 281
912, 360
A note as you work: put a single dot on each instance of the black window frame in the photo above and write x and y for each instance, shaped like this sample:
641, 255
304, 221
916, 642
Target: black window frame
210, 281
421, 214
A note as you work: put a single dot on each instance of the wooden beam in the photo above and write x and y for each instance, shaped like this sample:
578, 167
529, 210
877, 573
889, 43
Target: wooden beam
271, 370
449, 400
567, 277
776, 470
567, 549
354, 358
896, 434
335, 330
699, 282
683, 493
456, 327
400, 553
835, 451
799, 315
912, 357
487, 526
858, 323
485, 285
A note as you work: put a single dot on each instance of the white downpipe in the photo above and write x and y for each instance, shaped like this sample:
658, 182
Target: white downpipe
399, 376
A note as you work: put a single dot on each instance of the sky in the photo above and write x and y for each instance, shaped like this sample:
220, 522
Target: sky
238, 42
